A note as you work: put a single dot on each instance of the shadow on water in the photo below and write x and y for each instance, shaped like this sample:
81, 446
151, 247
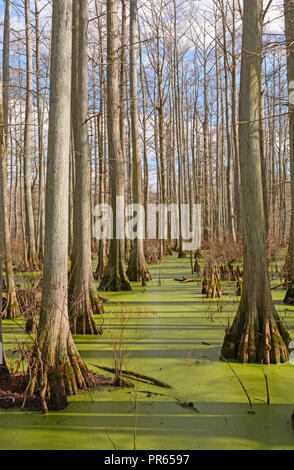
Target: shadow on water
161, 425
163, 339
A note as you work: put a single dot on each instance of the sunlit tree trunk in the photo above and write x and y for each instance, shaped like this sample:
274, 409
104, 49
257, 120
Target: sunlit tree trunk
137, 268
84, 299
114, 277
12, 307
58, 370
41, 208
257, 333
289, 28
31, 257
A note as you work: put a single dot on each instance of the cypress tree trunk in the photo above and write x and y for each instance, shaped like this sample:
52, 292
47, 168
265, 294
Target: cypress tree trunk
12, 307
114, 277
41, 211
102, 160
58, 369
257, 333
31, 258
84, 299
289, 28
137, 268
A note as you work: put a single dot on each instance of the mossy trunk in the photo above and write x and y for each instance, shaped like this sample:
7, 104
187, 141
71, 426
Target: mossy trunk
115, 278
57, 369
85, 303
137, 267
257, 333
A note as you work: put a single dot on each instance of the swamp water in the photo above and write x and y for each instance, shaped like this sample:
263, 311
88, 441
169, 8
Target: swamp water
166, 324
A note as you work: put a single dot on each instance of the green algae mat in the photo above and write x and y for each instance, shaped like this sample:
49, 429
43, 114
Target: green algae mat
172, 333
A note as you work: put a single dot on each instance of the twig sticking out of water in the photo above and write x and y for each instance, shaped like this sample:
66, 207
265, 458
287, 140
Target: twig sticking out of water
110, 440
136, 418
234, 372
268, 400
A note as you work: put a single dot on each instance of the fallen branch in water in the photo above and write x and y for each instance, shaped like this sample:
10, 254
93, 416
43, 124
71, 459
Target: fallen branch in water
282, 285
135, 375
184, 280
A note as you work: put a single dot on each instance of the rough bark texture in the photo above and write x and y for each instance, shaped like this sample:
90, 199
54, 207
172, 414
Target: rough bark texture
4, 372
257, 333
11, 308
41, 209
57, 370
289, 29
31, 257
114, 277
84, 299
137, 268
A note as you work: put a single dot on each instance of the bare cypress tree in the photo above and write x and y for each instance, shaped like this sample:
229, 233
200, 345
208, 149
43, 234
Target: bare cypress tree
41, 208
123, 114
114, 277
31, 259
58, 369
137, 268
84, 299
257, 333
12, 308
289, 29
100, 131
